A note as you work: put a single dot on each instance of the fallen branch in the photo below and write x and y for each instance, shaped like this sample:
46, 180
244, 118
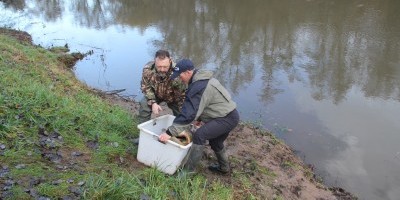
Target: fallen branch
111, 92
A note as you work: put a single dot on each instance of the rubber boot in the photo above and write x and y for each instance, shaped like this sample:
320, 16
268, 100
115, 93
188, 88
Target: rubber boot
144, 111
223, 163
193, 160
194, 157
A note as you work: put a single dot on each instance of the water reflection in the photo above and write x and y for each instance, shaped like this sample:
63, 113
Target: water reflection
337, 45
329, 69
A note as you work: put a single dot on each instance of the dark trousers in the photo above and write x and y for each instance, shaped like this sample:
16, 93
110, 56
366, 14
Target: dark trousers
216, 131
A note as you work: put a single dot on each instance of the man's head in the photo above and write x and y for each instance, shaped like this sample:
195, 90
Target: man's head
162, 62
184, 69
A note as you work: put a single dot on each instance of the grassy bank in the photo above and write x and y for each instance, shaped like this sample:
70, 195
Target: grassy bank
58, 140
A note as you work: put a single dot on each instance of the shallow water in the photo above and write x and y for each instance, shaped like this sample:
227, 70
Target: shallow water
323, 75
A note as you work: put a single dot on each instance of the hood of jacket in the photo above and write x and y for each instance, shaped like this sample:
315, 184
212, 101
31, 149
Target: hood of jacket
202, 75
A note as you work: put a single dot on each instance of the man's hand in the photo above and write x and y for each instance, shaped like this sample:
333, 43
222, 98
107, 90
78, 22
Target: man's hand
198, 123
155, 108
164, 137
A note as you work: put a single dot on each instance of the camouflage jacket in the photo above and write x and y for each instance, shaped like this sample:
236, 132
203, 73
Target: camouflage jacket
156, 89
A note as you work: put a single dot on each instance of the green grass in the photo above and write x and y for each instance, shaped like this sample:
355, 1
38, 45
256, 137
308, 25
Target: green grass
152, 184
38, 93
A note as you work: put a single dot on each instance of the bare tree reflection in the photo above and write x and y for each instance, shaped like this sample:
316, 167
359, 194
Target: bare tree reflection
94, 14
328, 46
14, 4
50, 9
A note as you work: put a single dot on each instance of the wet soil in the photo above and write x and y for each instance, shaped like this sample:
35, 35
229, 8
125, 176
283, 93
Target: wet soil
261, 165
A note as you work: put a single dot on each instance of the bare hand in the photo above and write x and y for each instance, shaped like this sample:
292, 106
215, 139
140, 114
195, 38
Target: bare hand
164, 137
156, 108
198, 123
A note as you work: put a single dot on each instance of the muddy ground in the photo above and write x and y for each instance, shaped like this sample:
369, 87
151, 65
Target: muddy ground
262, 165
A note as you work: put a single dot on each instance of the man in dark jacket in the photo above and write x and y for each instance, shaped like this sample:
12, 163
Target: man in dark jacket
208, 102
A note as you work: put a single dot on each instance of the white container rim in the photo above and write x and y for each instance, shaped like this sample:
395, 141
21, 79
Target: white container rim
144, 124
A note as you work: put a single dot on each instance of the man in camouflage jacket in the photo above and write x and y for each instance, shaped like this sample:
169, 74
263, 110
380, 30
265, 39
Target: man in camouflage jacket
157, 87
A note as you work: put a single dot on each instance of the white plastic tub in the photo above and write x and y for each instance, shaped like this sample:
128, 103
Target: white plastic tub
151, 152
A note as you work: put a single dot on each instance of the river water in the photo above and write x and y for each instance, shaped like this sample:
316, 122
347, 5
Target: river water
324, 76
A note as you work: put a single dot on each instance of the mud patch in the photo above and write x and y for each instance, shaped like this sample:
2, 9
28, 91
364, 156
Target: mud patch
69, 59
261, 166
21, 36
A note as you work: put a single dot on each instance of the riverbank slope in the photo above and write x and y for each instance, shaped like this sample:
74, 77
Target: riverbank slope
60, 139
